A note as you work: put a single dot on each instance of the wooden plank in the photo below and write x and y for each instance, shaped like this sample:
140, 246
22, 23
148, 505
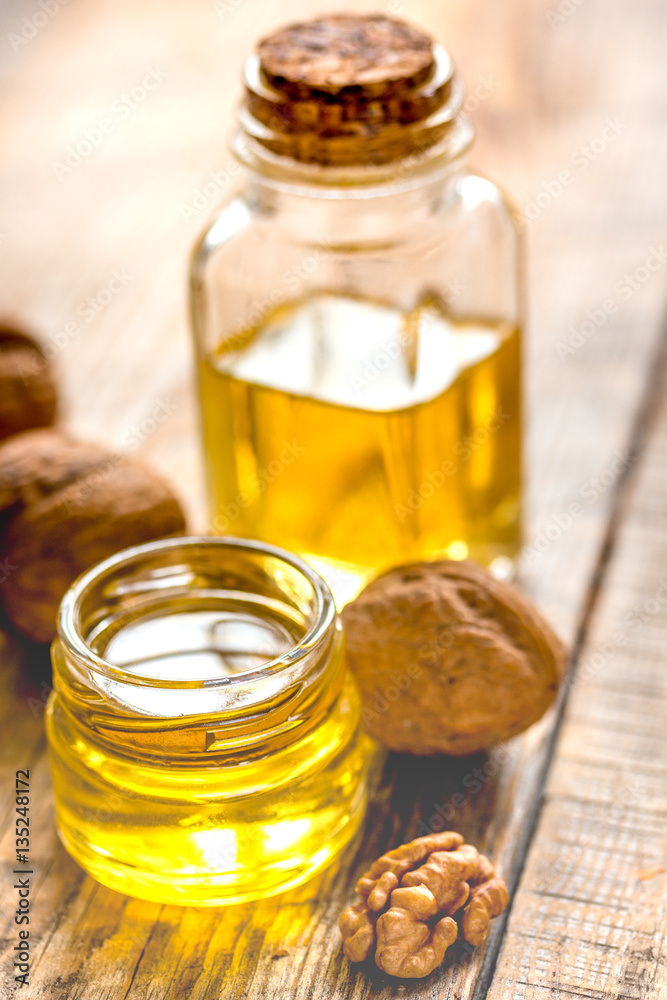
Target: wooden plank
590, 914
121, 208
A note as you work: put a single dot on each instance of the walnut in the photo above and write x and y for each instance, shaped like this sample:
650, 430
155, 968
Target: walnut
27, 389
409, 898
406, 857
407, 946
448, 659
443, 879
486, 901
357, 925
64, 506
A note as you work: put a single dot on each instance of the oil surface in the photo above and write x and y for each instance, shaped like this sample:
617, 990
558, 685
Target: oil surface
203, 833
362, 437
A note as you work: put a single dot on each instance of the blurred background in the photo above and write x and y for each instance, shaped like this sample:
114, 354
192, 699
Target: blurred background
114, 119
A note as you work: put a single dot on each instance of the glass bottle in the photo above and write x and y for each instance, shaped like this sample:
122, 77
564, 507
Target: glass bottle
357, 315
204, 734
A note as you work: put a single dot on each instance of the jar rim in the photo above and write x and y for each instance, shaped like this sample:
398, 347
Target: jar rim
70, 634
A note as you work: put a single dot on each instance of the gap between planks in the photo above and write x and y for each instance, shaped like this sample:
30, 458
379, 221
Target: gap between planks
640, 432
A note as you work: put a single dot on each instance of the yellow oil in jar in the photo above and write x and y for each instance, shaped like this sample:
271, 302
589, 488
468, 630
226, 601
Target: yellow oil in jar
363, 437
191, 830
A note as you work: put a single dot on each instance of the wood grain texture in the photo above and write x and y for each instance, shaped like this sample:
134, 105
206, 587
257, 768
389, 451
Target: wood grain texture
590, 915
542, 92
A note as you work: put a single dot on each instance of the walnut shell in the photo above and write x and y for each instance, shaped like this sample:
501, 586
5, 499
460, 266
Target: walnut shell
27, 390
448, 659
64, 506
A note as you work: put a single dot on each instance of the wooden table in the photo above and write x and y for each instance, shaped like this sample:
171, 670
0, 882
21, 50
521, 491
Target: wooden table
571, 113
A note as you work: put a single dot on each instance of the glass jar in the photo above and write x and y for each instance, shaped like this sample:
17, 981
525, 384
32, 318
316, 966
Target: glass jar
357, 312
203, 731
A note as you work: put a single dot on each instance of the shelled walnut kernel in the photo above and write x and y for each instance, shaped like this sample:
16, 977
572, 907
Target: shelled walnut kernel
410, 897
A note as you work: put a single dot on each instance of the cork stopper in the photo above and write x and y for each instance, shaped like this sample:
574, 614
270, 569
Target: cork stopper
349, 89
373, 53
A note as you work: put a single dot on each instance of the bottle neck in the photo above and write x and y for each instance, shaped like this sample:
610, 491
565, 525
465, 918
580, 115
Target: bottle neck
363, 203
411, 170
356, 157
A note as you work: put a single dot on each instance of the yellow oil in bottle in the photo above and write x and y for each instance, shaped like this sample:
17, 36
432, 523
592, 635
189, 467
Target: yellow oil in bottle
363, 437
235, 827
